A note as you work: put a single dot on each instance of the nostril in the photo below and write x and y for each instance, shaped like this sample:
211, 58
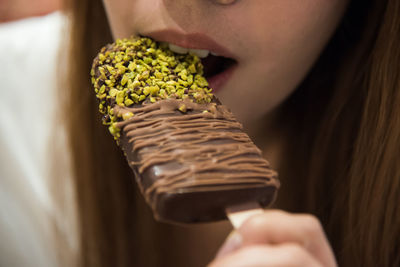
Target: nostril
225, 2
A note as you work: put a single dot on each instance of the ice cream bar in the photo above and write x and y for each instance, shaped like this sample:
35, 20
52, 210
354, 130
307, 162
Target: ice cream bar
190, 156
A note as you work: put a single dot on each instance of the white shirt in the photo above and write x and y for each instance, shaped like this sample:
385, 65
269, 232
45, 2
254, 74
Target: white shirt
29, 51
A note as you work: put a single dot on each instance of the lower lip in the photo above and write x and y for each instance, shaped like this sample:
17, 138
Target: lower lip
216, 82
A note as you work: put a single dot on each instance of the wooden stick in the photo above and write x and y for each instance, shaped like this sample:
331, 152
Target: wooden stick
239, 213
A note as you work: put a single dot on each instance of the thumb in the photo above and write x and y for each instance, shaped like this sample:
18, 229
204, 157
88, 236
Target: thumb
232, 243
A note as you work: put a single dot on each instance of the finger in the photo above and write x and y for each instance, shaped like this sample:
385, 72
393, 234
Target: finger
288, 254
275, 227
232, 243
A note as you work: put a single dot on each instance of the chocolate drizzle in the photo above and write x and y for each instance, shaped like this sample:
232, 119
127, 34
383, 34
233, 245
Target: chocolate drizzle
190, 157
199, 151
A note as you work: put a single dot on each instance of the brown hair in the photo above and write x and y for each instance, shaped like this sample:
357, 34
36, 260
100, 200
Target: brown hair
343, 156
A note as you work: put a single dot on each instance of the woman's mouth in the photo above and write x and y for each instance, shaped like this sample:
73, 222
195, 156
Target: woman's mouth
217, 69
218, 61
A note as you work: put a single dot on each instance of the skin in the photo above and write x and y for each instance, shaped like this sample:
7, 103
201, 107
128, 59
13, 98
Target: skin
277, 238
19, 9
275, 43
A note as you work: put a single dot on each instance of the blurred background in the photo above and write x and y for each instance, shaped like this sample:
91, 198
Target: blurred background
31, 34
19, 9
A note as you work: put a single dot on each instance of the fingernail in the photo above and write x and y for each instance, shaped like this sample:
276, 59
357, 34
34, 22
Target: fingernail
232, 242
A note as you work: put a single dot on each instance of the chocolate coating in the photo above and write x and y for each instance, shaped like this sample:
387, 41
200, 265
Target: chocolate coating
190, 156
191, 166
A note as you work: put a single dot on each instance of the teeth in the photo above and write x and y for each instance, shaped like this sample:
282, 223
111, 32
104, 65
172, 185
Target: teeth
214, 54
178, 49
201, 53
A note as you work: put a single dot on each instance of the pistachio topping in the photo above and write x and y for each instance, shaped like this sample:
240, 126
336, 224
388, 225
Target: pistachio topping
139, 71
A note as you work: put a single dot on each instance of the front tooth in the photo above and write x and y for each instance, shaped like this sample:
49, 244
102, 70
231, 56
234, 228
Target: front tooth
214, 54
201, 53
178, 49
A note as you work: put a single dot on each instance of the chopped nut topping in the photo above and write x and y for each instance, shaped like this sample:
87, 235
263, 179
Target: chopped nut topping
139, 70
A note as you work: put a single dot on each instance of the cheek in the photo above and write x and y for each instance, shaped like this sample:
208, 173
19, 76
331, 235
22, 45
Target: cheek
291, 28
123, 15
279, 41
115, 15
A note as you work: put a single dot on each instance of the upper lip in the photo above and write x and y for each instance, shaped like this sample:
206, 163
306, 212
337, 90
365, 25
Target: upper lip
190, 40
